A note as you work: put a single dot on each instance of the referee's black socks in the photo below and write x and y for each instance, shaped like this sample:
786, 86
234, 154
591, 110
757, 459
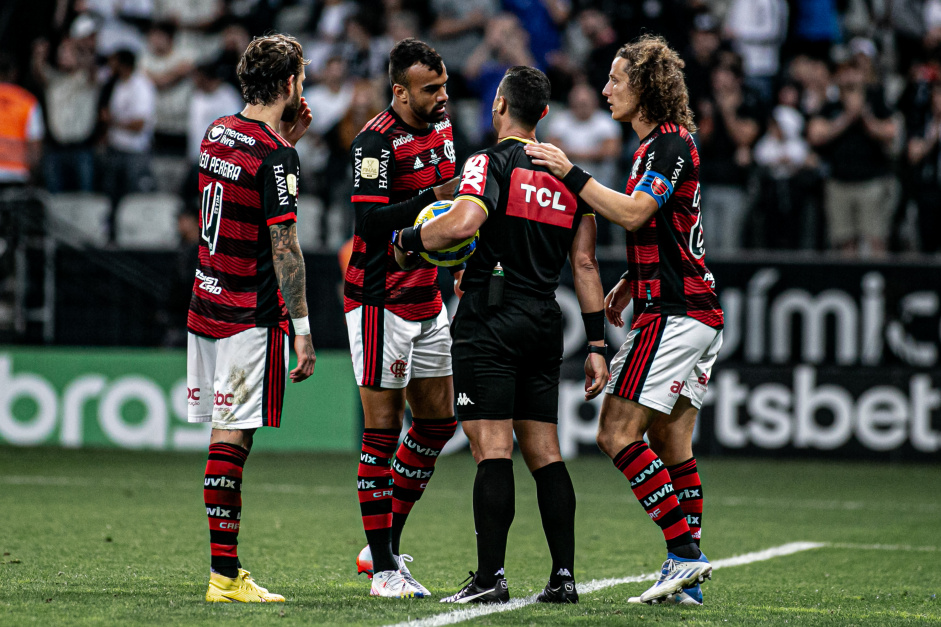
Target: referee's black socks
494, 508
556, 497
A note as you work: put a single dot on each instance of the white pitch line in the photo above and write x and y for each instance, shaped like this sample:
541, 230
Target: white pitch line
459, 616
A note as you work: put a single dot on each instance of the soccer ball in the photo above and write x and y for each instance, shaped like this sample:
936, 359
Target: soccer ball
364, 562
448, 257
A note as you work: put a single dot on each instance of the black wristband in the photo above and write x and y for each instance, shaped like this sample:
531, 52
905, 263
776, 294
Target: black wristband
594, 325
410, 239
624, 276
601, 350
576, 179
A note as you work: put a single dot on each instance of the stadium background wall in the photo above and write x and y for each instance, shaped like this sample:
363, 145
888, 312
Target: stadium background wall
821, 359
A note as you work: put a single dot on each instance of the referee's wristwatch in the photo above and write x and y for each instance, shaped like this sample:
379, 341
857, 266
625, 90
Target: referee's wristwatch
601, 350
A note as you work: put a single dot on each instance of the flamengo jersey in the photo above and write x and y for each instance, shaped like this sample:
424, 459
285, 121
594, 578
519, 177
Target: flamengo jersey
531, 220
667, 273
248, 181
393, 162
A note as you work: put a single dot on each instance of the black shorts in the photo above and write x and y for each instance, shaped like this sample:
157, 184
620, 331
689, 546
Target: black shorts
507, 360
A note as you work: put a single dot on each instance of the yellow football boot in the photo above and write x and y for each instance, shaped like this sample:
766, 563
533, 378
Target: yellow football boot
242, 589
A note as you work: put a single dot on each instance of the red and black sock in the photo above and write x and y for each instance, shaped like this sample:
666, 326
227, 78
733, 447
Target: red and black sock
651, 484
375, 493
494, 509
222, 492
413, 466
556, 497
688, 488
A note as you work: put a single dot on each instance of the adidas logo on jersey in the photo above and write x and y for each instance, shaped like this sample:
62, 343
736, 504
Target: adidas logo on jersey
418, 164
463, 400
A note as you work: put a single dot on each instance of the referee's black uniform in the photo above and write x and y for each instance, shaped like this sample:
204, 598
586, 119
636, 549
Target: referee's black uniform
507, 341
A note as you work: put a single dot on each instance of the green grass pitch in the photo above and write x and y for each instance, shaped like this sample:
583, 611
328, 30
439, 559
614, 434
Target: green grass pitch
114, 537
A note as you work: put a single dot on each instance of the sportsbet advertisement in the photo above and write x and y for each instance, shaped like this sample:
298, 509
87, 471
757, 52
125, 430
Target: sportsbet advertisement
137, 399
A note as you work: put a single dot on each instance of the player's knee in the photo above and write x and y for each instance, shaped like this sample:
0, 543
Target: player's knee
606, 442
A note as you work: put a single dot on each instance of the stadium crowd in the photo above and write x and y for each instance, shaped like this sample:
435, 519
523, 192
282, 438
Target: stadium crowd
819, 120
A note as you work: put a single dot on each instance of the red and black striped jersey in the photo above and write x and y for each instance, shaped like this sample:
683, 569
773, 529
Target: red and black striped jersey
248, 177
666, 270
394, 168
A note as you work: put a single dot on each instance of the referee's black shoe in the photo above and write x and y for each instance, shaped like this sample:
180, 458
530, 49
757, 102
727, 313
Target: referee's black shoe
565, 593
472, 593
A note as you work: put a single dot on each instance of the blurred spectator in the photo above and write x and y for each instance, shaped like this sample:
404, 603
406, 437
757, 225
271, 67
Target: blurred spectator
114, 23
458, 29
588, 135
854, 135
21, 128
815, 28
596, 27
781, 156
701, 57
235, 40
505, 45
212, 99
728, 127
71, 96
816, 89
194, 20
332, 96
180, 288
924, 153
402, 25
169, 70
590, 138
907, 18
129, 118
367, 56
757, 29
542, 19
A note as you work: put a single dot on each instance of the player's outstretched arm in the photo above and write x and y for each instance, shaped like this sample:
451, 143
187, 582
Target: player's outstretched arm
292, 278
630, 212
448, 229
590, 296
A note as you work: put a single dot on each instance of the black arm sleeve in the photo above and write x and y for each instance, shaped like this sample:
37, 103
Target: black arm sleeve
373, 165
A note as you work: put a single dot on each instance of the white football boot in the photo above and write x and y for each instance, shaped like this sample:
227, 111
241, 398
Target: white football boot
400, 560
391, 584
675, 574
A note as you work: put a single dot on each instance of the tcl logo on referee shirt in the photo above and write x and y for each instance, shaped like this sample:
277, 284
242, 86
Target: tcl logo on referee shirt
540, 197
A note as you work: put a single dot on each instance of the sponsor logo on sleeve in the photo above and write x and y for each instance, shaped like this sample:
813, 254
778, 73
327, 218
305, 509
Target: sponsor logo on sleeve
475, 175
281, 183
292, 184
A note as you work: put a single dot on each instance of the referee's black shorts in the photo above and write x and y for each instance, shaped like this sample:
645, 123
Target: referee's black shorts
507, 360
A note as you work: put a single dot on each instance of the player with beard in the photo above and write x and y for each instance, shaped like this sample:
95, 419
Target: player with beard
659, 377
249, 280
403, 160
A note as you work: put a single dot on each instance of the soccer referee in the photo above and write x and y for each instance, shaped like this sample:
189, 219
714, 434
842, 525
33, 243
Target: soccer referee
507, 348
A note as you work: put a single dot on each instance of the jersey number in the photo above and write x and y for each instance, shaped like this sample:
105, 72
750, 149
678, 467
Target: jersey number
697, 246
211, 214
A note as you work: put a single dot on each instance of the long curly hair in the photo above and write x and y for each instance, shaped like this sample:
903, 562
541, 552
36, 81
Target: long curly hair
655, 72
266, 66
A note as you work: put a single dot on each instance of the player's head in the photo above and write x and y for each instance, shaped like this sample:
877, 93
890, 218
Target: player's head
418, 78
523, 97
646, 83
271, 71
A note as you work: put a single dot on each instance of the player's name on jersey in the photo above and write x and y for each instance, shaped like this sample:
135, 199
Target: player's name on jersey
215, 165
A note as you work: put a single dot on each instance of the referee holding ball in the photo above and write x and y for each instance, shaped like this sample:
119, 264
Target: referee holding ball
507, 333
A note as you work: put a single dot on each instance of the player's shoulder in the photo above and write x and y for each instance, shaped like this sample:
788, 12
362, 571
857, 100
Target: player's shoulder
381, 124
245, 134
672, 138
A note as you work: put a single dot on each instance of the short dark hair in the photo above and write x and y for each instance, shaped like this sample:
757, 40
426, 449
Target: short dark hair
407, 53
266, 65
526, 91
126, 57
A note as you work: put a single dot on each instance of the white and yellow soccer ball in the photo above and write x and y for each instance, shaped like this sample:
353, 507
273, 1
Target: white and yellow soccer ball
448, 257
